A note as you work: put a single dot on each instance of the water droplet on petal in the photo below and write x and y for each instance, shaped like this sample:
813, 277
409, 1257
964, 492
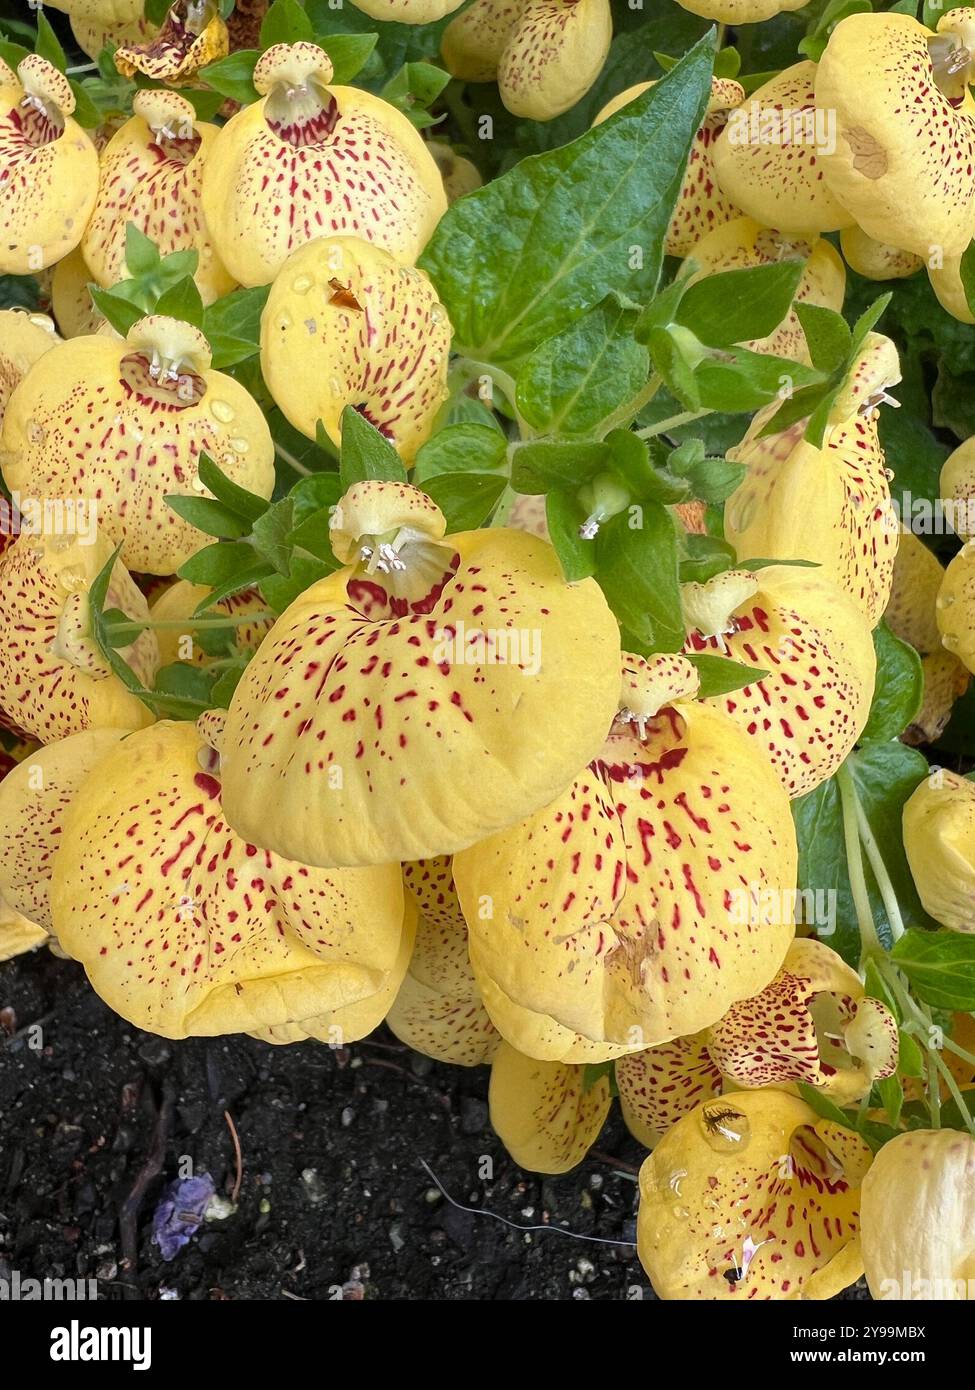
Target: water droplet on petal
301, 284
437, 313
239, 444
726, 1129
221, 411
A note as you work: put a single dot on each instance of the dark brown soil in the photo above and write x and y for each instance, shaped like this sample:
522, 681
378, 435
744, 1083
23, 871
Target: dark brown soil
333, 1189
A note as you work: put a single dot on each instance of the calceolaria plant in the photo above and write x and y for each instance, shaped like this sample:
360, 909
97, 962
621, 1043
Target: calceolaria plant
480, 556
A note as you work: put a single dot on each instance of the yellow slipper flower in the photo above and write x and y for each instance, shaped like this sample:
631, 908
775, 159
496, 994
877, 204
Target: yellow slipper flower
904, 140
806, 715
912, 616
611, 911
24, 338
543, 1112
876, 260
554, 53
939, 839
752, 1196
122, 423
828, 504
151, 175
955, 607
311, 159
918, 1218
53, 679
401, 707
701, 205
192, 35
50, 168
346, 324
34, 799
439, 1010
71, 304
186, 929
767, 159
661, 1085
473, 43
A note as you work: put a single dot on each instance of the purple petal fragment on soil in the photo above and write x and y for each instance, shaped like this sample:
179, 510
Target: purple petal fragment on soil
180, 1213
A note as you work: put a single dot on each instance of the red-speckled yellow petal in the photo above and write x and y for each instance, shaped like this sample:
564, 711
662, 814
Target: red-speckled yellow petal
186, 929
373, 726
939, 839
24, 338
53, 680
553, 55
877, 260
807, 713
34, 799
543, 1113
614, 911
474, 42
123, 423
345, 324
438, 1010
829, 505
311, 160
767, 159
49, 169
661, 1085
192, 35
151, 175
902, 148
752, 1196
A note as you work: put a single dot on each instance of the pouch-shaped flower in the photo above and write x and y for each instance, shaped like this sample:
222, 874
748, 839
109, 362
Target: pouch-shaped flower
23, 339
917, 1217
474, 41
401, 707
752, 1196
186, 929
544, 1113
796, 624
151, 174
554, 53
438, 1010
912, 615
610, 910
311, 159
122, 423
53, 679
48, 168
904, 131
767, 159
346, 324
939, 840
829, 504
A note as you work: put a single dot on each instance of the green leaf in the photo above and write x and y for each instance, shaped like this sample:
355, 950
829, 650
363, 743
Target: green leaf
967, 271
182, 301
638, 572
564, 516
910, 1060
828, 336
555, 235
141, 252
570, 384
232, 325
704, 557
940, 966
48, 45
191, 683
736, 306
349, 54
642, 469
285, 22
899, 690
885, 775
236, 498
462, 448
366, 454
414, 89
891, 1094
120, 312
466, 499
86, 113
671, 362
745, 380
271, 534
215, 564
711, 479
210, 517
541, 467
867, 321
719, 674
877, 988
823, 1106
222, 690
233, 76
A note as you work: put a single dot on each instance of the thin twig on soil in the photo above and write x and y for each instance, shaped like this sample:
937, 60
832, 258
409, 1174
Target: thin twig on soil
129, 1213
21, 1032
616, 1163
240, 1164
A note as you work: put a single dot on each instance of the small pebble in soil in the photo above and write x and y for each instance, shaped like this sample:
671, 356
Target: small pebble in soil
314, 1187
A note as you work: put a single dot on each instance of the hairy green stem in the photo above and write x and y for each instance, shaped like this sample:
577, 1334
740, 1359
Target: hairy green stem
673, 423
869, 940
876, 861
